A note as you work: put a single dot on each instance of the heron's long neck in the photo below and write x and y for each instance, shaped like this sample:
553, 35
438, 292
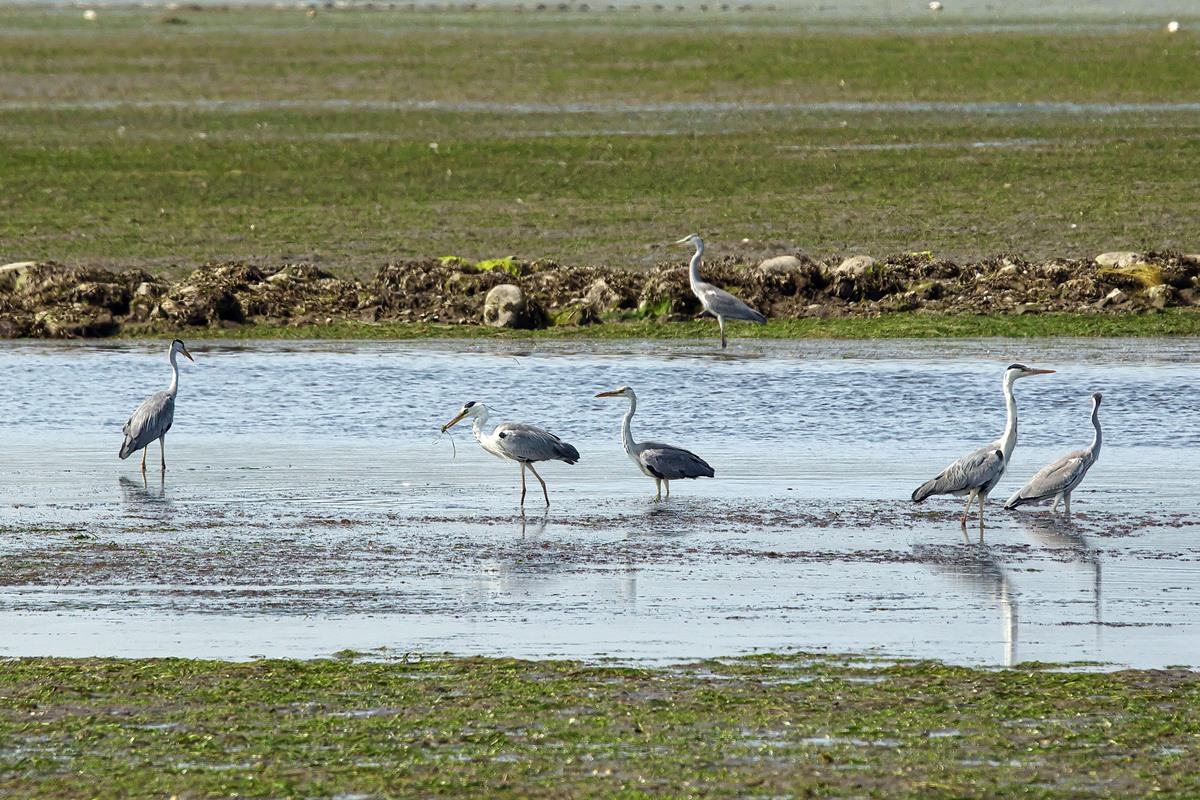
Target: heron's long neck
626, 433
694, 267
173, 389
1009, 440
477, 426
1096, 440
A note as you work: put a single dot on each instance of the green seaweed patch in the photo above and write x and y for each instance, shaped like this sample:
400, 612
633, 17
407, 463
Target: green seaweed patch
780, 724
624, 325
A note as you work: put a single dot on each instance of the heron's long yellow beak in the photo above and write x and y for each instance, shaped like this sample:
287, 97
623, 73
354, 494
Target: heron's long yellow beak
686, 240
609, 394
1041, 371
454, 421
189, 355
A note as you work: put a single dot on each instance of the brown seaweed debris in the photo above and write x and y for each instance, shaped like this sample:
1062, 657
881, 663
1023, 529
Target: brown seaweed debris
51, 300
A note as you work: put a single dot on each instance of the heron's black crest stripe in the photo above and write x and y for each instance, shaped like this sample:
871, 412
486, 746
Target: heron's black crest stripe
470, 404
1018, 366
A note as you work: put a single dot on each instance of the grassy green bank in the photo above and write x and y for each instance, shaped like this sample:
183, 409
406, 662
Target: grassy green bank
1173, 322
154, 139
775, 726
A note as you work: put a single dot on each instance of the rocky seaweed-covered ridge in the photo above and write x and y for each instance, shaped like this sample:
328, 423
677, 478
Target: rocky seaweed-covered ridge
50, 300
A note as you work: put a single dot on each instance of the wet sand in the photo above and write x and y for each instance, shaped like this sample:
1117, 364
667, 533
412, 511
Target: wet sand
310, 506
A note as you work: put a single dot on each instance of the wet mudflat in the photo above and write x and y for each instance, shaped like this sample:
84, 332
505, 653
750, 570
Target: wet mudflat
311, 507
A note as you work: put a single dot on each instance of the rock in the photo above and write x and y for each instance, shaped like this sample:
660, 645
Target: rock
504, 307
780, 265
1160, 296
1112, 298
600, 298
1119, 259
854, 266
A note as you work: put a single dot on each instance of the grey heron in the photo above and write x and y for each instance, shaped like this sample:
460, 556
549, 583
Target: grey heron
663, 462
977, 473
1060, 478
154, 416
718, 302
517, 441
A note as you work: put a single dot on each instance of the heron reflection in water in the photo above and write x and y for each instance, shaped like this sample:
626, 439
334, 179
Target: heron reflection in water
976, 567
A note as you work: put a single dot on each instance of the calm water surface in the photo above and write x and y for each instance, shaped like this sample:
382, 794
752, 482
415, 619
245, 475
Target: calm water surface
310, 504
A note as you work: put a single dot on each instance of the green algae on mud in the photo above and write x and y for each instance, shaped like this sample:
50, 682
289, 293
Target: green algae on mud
794, 724
1173, 322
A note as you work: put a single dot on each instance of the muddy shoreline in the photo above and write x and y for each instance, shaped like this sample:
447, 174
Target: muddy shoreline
56, 301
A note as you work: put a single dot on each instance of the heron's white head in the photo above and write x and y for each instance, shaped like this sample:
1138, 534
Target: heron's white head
1017, 371
178, 346
624, 391
471, 409
692, 239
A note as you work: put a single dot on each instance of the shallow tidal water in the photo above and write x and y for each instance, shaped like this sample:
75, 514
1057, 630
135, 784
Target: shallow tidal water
310, 505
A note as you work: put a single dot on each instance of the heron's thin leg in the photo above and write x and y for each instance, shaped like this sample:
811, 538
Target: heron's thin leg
144, 450
545, 493
982, 498
658, 487
668, 483
721, 322
162, 450
1067, 500
967, 510
1057, 499
522, 463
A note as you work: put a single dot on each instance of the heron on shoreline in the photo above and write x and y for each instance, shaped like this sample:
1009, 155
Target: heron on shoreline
516, 441
976, 474
663, 462
718, 302
155, 415
1060, 478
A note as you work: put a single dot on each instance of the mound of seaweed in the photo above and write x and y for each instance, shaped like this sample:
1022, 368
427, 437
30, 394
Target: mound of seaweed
51, 300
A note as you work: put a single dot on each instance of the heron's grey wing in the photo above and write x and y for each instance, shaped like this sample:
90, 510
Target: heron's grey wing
721, 302
152, 419
672, 463
1052, 479
531, 443
981, 469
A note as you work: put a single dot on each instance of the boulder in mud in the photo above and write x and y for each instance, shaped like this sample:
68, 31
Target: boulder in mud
853, 266
780, 265
1119, 259
505, 307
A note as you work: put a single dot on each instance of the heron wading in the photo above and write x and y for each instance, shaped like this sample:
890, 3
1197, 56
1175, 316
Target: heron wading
1060, 478
517, 441
718, 302
154, 416
977, 473
663, 462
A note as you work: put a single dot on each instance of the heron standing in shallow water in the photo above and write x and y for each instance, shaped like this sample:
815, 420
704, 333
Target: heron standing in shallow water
977, 473
1060, 478
718, 302
154, 416
522, 443
663, 462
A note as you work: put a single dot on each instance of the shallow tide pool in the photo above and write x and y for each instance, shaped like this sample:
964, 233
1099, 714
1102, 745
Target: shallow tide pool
310, 506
